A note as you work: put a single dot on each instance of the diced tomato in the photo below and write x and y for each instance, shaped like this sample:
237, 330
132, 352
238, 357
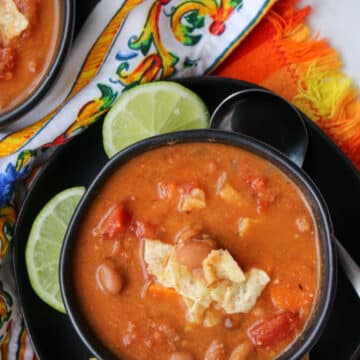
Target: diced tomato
114, 224
273, 330
264, 200
264, 196
144, 229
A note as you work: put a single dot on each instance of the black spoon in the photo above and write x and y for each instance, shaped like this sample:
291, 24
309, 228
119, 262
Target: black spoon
270, 118
267, 117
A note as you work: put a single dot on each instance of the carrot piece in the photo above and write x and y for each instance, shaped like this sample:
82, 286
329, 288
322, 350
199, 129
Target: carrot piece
287, 298
294, 290
162, 292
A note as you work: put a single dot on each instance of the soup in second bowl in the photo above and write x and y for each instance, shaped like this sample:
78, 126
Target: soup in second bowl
29, 31
197, 251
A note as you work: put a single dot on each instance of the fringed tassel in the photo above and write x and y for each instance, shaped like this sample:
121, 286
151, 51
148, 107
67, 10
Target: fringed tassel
325, 94
285, 19
323, 90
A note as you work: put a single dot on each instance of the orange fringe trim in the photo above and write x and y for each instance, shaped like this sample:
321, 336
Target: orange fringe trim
318, 87
326, 95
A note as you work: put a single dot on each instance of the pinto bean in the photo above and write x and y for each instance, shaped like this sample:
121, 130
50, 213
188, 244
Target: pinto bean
187, 233
109, 279
193, 253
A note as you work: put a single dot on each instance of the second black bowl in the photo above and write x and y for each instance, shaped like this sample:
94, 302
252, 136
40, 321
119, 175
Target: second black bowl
66, 33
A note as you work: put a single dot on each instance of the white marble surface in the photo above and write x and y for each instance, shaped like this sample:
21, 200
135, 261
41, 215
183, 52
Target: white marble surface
339, 21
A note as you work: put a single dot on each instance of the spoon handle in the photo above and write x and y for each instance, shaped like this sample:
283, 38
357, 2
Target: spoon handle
350, 267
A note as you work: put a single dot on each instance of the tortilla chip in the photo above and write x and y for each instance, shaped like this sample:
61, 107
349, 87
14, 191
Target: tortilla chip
169, 272
229, 194
225, 284
195, 311
181, 278
220, 265
195, 200
156, 255
12, 21
240, 298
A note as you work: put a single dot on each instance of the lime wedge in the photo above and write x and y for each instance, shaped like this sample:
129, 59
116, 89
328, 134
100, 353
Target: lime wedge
43, 247
149, 110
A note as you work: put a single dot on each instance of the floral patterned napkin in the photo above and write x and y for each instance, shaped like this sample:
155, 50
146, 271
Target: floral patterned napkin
135, 42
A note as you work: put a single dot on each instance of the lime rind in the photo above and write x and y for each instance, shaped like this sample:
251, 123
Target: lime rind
152, 109
43, 248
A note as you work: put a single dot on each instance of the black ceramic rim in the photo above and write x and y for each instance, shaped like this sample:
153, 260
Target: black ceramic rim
67, 32
317, 322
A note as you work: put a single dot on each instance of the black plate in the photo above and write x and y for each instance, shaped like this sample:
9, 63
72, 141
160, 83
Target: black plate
78, 162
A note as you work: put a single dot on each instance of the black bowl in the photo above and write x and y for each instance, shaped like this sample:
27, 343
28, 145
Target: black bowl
67, 9
328, 274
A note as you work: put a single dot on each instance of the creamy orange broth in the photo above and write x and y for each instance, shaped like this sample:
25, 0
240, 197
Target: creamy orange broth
142, 323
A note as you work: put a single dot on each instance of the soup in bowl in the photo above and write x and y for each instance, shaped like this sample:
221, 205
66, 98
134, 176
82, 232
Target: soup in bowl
34, 38
199, 245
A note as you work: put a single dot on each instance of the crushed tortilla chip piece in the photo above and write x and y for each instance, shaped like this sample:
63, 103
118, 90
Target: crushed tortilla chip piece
236, 298
229, 194
194, 200
220, 265
195, 311
156, 254
224, 283
12, 21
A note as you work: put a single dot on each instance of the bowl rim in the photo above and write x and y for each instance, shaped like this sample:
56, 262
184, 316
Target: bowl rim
66, 37
328, 276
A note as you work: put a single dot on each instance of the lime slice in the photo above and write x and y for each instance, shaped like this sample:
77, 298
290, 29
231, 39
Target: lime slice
43, 247
149, 110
